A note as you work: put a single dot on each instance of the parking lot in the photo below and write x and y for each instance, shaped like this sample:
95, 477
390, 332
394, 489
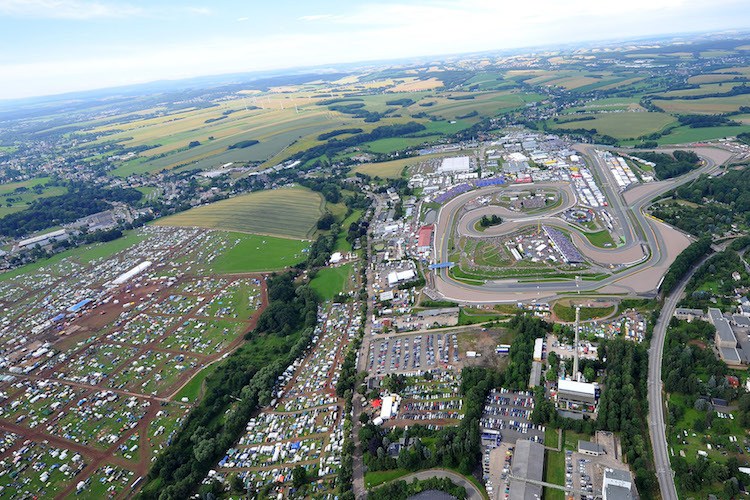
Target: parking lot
412, 353
509, 414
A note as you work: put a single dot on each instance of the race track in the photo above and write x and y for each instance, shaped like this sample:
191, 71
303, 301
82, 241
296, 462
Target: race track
649, 245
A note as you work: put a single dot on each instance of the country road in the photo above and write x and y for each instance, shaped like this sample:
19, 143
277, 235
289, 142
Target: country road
656, 424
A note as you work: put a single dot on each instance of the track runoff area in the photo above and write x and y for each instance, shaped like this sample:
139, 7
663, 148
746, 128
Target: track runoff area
633, 264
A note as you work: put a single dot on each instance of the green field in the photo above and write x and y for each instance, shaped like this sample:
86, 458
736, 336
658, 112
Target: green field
331, 281
259, 253
620, 125
567, 313
290, 213
192, 389
376, 478
599, 239
11, 187
686, 134
341, 244
554, 472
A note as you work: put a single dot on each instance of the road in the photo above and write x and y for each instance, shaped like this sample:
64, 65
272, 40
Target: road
656, 423
642, 278
472, 492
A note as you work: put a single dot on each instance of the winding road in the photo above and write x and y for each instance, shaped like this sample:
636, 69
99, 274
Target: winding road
660, 242
656, 424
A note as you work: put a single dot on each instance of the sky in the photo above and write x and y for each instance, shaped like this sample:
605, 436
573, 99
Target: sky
56, 46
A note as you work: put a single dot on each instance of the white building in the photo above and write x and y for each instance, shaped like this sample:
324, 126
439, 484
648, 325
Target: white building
455, 164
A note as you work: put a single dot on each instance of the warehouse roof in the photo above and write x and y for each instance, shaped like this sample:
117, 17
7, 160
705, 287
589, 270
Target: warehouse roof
528, 462
578, 387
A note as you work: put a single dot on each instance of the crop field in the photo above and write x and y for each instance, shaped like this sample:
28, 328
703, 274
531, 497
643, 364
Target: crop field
707, 88
392, 169
622, 125
97, 404
290, 213
686, 134
708, 105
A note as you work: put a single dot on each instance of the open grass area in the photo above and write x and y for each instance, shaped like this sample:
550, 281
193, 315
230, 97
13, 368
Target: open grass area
621, 125
600, 239
259, 253
11, 187
290, 213
341, 244
376, 478
331, 281
708, 105
192, 389
554, 472
686, 134
568, 314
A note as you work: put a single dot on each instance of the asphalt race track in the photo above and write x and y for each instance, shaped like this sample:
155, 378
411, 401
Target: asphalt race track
642, 233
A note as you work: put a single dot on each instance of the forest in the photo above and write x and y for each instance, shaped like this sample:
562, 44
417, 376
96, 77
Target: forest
80, 200
674, 165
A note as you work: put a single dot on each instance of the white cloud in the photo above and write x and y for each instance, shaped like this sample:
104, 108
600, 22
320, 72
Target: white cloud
203, 11
364, 32
317, 17
67, 9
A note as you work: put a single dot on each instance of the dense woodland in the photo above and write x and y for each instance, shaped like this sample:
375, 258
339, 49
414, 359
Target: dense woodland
674, 165
80, 200
683, 263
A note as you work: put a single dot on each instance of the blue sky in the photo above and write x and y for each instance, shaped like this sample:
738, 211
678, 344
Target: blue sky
53, 46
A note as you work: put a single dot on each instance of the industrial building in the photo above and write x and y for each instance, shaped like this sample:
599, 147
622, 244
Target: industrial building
689, 315
528, 463
43, 239
396, 277
617, 485
725, 339
455, 164
576, 396
539, 349
589, 448
424, 239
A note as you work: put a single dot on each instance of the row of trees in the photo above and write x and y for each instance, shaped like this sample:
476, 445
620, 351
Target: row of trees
401, 490
674, 165
682, 264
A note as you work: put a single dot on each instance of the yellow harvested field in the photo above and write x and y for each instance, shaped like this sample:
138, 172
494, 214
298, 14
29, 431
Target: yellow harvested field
287, 213
416, 85
577, 81
392, 169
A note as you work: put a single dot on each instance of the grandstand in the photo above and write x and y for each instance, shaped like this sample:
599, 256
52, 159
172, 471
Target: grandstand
563, 245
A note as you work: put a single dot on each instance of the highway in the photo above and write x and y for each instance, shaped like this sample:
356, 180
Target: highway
656, 424
632, 281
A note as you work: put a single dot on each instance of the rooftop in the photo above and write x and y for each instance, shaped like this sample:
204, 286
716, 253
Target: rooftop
573, 386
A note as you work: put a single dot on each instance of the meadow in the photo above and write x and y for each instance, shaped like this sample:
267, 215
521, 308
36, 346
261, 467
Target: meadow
259, 253
290, 213
621, 125
331, 281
